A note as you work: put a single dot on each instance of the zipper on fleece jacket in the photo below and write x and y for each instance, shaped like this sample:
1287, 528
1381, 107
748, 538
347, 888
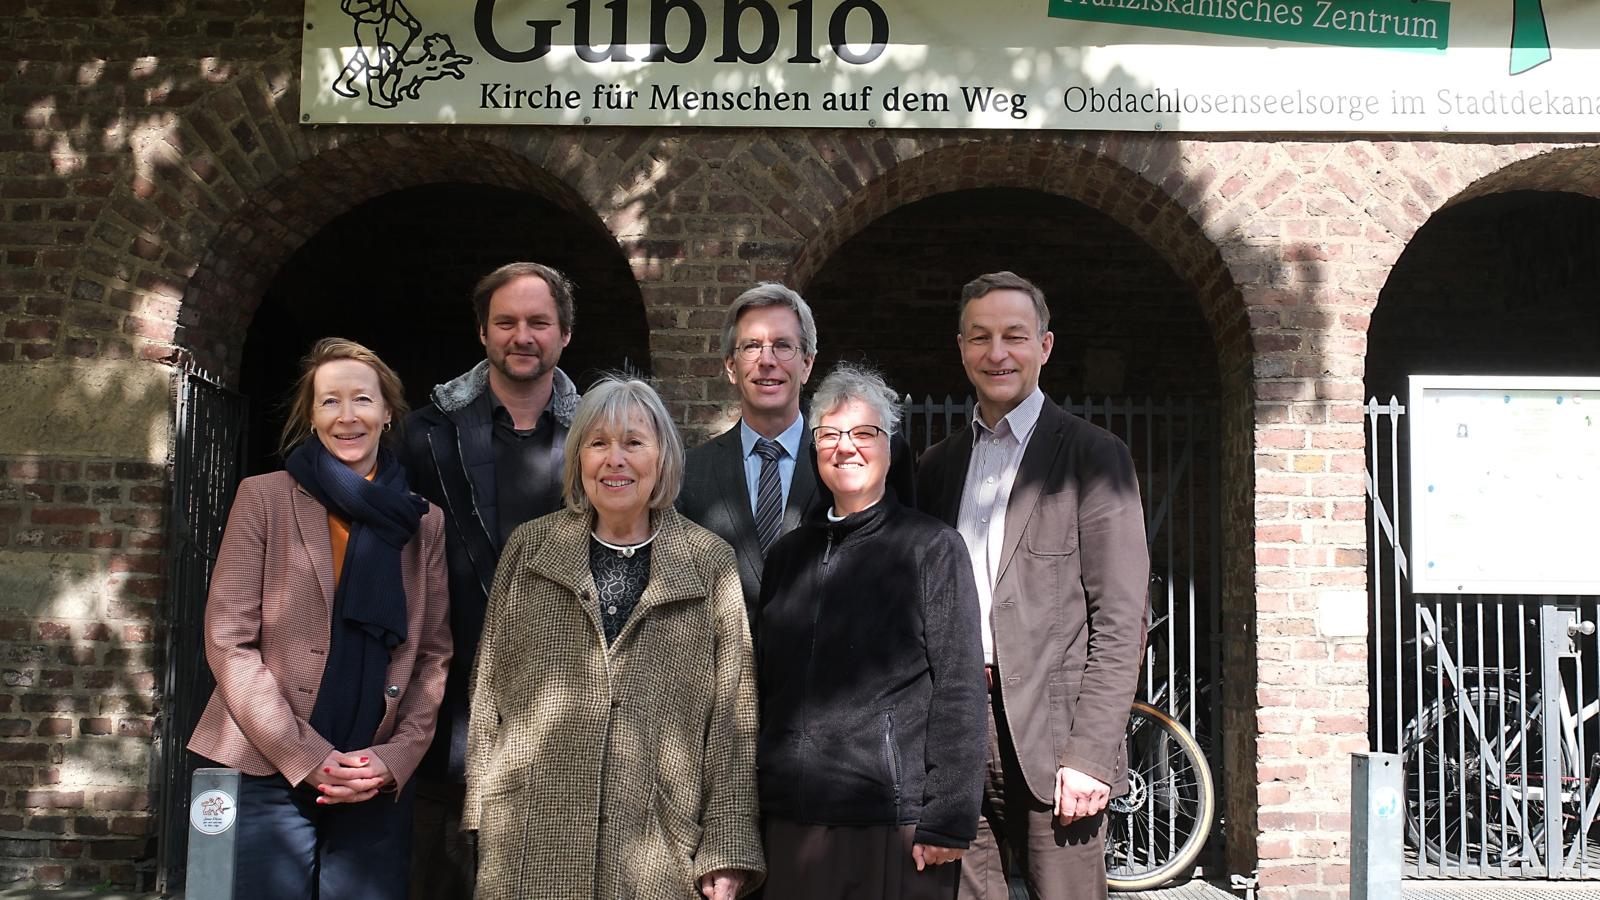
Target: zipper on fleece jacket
811, 662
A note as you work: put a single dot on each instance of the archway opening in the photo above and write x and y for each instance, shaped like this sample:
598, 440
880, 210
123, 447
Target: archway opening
396, 273
1134, 353
1501, 285
1125, 323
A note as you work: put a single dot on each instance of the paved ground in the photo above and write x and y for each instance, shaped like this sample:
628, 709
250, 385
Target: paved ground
1194, 891
1499, 890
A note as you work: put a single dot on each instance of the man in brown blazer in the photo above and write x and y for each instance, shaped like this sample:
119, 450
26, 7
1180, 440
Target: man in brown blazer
1049, 507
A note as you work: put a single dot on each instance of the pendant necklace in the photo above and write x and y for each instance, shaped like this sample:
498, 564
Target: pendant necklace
626, 551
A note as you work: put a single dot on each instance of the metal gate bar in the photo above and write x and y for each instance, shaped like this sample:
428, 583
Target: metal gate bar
209, 440
1488, 699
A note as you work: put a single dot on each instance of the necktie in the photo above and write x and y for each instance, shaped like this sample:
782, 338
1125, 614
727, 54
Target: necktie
769, 494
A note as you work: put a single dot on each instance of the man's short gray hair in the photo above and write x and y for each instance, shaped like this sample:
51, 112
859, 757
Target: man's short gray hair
853, 381
984, 285
770, 293
608, 404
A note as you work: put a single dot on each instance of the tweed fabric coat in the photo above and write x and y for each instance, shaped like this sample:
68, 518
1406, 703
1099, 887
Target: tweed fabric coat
598, 773
268, 617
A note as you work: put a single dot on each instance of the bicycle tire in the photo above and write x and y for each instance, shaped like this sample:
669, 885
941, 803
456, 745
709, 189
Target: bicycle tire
1434, 821
1167, 773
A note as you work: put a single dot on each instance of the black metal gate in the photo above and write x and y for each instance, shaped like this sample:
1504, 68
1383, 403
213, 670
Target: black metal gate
1489, 699
210, 443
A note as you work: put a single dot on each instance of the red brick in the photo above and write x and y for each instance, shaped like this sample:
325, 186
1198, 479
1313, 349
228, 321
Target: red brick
121, 800
50, 799
55, 728
41, 515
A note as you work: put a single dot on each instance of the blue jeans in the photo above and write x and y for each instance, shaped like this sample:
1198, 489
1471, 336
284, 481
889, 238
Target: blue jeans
291, 848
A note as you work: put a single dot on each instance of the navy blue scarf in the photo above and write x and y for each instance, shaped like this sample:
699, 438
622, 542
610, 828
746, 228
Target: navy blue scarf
369, 604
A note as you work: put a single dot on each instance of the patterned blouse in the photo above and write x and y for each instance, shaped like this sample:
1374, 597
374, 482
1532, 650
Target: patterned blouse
619, 582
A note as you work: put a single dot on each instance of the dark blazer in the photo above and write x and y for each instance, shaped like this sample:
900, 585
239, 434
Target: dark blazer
268, 616
1069, 604
715, 497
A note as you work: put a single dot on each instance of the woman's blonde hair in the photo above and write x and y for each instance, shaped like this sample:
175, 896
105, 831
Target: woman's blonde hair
297, 427
608, 404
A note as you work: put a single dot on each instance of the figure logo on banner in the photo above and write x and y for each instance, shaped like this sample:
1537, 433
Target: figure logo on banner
385, 31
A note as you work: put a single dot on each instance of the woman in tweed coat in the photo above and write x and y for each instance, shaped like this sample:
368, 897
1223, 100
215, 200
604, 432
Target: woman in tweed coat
611, 741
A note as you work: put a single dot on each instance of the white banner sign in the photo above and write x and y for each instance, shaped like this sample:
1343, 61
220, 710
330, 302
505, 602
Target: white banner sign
1410, 66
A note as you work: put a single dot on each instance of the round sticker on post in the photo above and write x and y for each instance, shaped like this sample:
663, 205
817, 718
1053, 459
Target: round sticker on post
213, 812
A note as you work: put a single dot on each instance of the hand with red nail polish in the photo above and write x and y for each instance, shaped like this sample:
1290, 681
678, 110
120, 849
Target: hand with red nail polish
350, 777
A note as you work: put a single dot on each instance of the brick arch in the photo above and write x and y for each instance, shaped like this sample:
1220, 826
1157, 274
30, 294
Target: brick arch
1387, 190
222, 192
1497, 280
248, 250
1099, 176
1573, 170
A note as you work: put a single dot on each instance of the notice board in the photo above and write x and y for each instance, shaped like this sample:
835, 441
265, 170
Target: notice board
1505, 484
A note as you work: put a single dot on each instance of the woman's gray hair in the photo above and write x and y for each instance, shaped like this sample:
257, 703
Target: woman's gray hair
853, 381
608, 404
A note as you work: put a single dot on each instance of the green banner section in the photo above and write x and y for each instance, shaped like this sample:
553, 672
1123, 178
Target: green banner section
1394, 24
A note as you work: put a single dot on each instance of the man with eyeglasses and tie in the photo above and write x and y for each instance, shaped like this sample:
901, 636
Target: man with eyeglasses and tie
758, 480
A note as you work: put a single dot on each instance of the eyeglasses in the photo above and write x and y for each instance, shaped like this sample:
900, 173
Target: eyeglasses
860, 435
750, 351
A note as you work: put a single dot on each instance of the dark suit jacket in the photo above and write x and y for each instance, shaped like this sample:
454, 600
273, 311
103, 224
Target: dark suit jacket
1069, 602
714, 496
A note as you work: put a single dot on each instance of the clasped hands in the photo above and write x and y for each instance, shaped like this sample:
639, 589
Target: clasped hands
349, 777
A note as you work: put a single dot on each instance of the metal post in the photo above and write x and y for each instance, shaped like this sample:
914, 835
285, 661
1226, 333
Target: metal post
1376, 826
213, 812
1556, 626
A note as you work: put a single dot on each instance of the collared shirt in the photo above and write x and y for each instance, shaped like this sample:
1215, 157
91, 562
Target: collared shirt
789, 440
996, 456
527, 471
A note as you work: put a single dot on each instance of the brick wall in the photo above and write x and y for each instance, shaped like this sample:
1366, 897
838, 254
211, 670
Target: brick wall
82, 545
155, 181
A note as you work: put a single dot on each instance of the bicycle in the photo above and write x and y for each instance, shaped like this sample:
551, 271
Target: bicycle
1156, 831
1476, 791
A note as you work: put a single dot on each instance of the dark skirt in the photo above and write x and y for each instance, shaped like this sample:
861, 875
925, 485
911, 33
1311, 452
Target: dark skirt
840, 862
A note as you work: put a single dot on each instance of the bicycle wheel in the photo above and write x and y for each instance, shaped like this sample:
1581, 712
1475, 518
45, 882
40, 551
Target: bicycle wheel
1474, 783
1155, 832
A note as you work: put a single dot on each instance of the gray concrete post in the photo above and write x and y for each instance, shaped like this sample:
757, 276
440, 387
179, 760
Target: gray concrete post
213, 821
1377, 825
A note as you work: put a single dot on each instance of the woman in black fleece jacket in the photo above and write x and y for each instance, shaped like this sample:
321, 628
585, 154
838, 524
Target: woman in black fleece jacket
871, 672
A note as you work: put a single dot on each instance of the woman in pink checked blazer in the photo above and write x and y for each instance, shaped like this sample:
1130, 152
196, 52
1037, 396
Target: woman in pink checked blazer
326, 630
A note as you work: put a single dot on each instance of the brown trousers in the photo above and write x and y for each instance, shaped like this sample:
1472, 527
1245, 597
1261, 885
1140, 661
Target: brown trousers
838, 862
1056, 862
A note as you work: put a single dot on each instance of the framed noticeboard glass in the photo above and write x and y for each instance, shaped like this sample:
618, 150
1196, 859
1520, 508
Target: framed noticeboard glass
1505, 485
